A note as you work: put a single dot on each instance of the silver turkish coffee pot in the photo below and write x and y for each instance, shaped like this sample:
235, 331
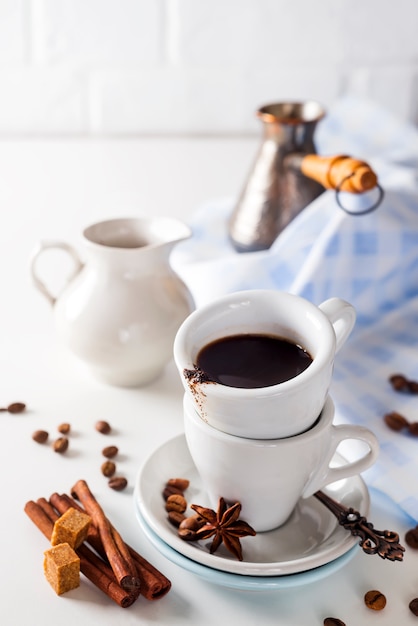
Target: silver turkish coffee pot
288, 174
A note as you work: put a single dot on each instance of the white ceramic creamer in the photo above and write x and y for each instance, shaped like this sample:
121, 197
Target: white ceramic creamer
122, 306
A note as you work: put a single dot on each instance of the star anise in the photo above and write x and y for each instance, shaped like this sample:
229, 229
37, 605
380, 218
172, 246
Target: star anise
224, 526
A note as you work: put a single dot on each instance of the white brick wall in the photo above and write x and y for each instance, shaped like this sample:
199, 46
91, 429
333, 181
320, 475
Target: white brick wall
196, 66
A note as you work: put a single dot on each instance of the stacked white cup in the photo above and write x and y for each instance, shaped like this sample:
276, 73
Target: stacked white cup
267, 446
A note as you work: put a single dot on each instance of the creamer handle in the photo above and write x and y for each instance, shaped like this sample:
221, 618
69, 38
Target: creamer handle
50, 245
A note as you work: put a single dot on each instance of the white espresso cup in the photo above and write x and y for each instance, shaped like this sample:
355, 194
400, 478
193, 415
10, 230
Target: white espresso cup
269, 476
277, 410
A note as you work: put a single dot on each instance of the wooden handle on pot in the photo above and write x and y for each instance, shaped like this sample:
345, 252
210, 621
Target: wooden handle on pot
339, 172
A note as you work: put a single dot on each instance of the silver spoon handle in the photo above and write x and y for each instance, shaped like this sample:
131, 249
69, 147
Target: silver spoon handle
385, 543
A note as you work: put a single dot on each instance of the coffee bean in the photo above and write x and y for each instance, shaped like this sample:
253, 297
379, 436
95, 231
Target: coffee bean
413, 606
118, 483
60, 445
375, 600
411, 538
413, 429
180, 483
103, 427
194, 522
110, 451
395, 421
398, 382
169, 490
108, 468
333, 621
175, 518
40, 436
186, 534
64, 428
16, 407
176, 502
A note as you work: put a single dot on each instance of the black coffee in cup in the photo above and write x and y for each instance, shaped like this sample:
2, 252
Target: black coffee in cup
251, 361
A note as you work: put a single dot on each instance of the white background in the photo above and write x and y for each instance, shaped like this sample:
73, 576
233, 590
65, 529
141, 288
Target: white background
52, 189
196, 66
102, 111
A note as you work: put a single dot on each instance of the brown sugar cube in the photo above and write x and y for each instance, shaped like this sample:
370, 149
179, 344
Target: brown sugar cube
62, 568
72, 528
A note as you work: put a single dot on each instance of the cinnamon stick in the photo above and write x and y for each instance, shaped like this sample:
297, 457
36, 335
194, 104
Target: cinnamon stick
119, 558
93, 568
154, 584
99, 564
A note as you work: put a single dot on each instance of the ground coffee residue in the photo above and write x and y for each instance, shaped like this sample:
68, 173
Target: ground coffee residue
197, 375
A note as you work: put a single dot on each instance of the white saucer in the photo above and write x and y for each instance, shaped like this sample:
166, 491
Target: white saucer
236, 581
311, 537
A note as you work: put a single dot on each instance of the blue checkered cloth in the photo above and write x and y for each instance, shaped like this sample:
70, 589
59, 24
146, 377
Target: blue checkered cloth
369, 260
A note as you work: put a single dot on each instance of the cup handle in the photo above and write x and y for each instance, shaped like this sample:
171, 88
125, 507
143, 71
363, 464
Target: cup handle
342, 316
326, 474
48, 245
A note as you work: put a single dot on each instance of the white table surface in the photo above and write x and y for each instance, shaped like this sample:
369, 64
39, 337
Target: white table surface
52, 189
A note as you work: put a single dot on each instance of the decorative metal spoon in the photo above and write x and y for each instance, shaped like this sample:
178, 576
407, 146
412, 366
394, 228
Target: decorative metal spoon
385, 543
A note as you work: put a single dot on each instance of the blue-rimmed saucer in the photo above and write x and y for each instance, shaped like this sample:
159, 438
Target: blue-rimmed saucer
239, 581
310, 539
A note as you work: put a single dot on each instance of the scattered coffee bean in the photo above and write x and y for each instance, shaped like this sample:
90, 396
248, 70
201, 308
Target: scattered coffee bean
375, 600
40, 436
333, 621
395, 421
64, 428
110, 451
400, 382
413, 606
176, 502
60, 445
108, 468
15, 407
103, 427
118, 483
175, 518
411, 538
180, 483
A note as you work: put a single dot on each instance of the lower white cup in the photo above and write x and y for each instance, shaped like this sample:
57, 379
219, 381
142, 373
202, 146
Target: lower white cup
269, 476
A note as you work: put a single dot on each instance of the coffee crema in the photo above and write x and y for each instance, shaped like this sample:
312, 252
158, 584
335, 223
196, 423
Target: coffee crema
251, 361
